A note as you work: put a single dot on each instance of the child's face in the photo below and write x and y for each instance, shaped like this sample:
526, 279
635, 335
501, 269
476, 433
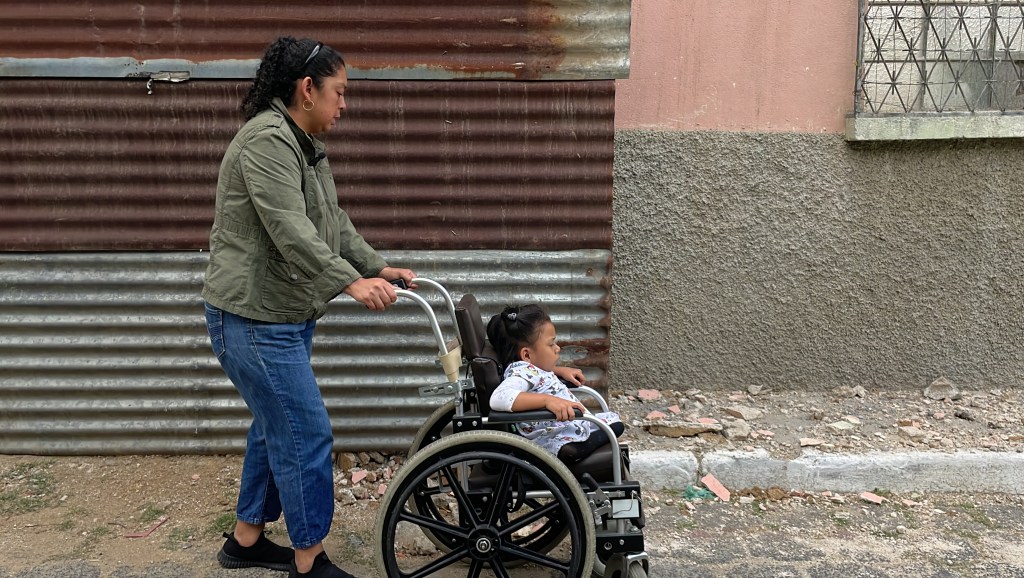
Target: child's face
543, 352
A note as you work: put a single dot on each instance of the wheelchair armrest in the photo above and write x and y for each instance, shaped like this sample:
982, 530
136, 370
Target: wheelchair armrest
578, 389
520, 416
506, 417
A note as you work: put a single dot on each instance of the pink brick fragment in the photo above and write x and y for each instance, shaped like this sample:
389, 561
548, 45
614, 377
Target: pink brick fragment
716, 487
358, 475
707, 420
873, 498
674, 409
649, 394
656, 415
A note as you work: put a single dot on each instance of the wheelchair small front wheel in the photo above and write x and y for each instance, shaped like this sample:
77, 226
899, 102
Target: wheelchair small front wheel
490, 490
637, 571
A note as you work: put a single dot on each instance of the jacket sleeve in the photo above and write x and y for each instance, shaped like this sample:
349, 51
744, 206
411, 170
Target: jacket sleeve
271, 168
356, 250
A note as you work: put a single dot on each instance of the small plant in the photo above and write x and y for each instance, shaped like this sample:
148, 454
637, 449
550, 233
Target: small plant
26, 488
178, 537
966, 534
223, 523
150, 513
686, 523
978, 516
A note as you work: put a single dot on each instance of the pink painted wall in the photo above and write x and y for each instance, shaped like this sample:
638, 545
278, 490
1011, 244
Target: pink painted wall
740, 65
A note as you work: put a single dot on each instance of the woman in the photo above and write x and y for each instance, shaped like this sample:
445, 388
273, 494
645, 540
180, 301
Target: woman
280, 250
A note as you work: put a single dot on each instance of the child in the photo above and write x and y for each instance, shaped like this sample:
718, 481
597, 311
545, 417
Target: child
524, 339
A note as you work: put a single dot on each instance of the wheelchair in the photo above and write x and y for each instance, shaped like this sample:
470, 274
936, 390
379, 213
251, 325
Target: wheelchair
488, 499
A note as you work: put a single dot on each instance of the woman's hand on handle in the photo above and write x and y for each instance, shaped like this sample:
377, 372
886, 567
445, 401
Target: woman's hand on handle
395, 273
376, 293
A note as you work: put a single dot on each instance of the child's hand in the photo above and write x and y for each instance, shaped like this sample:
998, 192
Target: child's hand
570, 374
563, 408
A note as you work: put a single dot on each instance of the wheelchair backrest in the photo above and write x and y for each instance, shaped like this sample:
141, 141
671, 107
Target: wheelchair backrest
482, 359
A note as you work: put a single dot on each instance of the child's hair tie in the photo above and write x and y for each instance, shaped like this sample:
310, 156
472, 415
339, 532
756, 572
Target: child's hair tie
511, 316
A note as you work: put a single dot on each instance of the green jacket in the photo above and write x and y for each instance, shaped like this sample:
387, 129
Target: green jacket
280, 247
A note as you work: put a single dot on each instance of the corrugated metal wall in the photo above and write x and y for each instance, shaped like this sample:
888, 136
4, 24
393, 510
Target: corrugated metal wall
99, 164
106, 353
450, 158
510, 39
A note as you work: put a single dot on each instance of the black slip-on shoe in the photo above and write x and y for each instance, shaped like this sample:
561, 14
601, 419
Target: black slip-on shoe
262, 554
322, 568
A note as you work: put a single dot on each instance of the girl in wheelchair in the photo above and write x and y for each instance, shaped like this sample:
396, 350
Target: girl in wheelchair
524, 339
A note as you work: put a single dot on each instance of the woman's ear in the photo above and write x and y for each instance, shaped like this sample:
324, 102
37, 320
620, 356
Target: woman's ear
306, 87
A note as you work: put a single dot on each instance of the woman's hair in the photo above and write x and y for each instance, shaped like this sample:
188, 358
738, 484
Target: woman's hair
285, 62
514, 328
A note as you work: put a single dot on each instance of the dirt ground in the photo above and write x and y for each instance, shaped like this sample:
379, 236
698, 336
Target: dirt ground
55, 509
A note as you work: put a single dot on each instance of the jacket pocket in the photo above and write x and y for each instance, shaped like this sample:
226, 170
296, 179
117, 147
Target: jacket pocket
286, 289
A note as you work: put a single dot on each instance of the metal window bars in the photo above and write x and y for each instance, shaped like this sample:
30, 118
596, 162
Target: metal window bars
940, 56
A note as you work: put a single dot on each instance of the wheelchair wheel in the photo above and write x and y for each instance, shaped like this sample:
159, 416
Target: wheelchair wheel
543, 537
485, 495
438, 425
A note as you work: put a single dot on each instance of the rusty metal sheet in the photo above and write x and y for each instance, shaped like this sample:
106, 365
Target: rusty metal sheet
101, 165
511, 39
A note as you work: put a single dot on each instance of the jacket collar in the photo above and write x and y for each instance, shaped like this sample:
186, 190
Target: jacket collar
312, 149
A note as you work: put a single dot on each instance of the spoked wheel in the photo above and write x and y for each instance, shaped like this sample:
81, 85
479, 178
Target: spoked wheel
540, 539
487, 496
438, 425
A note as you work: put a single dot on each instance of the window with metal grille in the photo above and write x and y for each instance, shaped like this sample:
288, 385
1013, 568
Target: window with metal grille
941, 58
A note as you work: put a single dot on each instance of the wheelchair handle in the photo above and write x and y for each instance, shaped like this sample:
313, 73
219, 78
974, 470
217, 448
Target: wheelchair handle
450, 360
442, 347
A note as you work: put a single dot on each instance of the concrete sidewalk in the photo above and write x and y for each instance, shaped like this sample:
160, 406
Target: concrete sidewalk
897, 471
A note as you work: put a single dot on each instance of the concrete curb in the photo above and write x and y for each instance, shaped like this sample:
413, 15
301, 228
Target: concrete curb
987, 472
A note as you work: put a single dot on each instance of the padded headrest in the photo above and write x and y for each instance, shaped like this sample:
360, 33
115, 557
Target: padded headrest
471, 326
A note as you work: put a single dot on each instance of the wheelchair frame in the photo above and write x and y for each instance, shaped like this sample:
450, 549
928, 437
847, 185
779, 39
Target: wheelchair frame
602, 521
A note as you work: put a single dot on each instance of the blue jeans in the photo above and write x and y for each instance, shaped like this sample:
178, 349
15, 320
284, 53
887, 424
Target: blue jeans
287, 462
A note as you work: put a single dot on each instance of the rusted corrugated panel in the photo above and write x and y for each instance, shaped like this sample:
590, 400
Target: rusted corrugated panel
107, 353
101, 165
513, 39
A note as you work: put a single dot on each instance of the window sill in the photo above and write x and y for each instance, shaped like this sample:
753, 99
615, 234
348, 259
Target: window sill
934, 126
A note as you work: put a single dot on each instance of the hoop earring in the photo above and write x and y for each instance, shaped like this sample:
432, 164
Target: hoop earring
311, 105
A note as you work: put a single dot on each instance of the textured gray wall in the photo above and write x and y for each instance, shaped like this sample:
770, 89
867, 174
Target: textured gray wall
801, 261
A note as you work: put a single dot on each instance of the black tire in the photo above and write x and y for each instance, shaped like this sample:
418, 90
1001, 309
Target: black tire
438, 425
492, 520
